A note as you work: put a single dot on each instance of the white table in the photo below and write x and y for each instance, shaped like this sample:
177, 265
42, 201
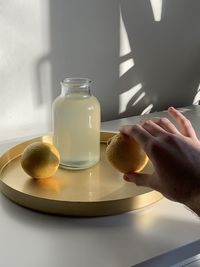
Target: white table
30, 239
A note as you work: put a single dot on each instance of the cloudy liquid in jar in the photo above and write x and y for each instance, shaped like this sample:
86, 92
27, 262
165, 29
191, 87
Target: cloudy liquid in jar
76, 126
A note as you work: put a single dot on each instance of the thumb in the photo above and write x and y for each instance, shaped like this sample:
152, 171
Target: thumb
141, 179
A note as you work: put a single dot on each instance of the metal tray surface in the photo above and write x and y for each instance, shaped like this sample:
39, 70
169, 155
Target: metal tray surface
97, 191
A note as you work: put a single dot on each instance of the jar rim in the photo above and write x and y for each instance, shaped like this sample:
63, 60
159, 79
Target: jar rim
76, 81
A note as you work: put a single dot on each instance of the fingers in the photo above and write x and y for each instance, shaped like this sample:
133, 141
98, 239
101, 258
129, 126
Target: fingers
185, 125
138, 133
144, 134
153, 128
141, 179
167, 125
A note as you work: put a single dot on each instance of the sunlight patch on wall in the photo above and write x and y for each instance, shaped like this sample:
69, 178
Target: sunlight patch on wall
125, 97
124, 48
157, 9
197, 97
147, 110
124, 45
139, 98
125, 66
127, 63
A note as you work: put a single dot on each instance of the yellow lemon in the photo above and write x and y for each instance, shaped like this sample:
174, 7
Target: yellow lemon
125, 154
40, 160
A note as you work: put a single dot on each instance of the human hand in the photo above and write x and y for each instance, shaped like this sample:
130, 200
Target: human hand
175, 154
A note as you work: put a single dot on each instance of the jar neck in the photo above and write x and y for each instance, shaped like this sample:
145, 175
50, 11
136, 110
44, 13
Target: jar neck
76, 86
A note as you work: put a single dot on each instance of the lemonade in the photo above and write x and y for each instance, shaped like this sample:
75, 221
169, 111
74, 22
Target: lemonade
76, 126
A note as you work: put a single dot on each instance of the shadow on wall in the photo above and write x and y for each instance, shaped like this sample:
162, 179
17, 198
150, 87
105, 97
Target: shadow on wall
165, 53
84, 42
137, 64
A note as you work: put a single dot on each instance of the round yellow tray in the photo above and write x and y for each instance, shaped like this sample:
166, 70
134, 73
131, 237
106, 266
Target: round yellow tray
97, 191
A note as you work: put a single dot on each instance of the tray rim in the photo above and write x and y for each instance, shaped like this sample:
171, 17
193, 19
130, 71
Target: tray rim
21, 198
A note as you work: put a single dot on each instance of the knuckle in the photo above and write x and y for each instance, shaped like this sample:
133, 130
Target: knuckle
147, 122
133, 129
169, 138
128, 129
186, 123
164, 121
153, 146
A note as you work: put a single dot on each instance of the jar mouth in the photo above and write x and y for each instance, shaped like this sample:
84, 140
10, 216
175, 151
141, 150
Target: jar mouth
76, 82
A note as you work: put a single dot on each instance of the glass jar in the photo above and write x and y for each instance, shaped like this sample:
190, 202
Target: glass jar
76, 124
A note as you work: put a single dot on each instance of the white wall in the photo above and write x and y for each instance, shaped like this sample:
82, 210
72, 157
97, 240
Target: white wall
136, 63
24, 38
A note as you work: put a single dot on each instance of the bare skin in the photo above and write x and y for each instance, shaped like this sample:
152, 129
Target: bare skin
175, 154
